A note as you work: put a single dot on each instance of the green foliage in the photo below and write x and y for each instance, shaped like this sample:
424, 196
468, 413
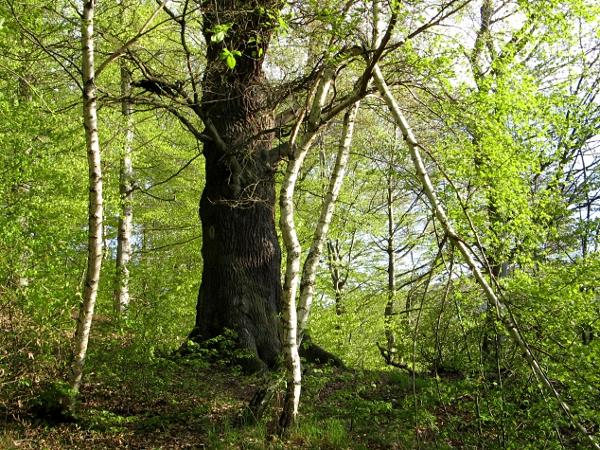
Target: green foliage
105, 421
327, 434
219, 32
55, 403
229, 56
508, 139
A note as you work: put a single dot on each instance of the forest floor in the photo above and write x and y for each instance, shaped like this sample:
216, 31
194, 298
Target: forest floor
183, 404
136, 397
180, 406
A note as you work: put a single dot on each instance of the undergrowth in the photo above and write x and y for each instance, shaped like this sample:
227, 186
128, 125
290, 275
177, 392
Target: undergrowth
139, 393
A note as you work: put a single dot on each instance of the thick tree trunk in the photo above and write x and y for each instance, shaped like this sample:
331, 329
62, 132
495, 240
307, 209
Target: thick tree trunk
241, 284
241, 287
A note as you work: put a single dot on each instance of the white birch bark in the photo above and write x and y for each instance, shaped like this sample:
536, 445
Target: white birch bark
507, 320
290, 287
121, 294
94, 262
377, 23
22, 190
299, 148
388, 314
338, 281
309, 273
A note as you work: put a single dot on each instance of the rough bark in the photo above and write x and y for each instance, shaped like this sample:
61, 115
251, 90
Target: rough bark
241, 287
121, 294
94, 260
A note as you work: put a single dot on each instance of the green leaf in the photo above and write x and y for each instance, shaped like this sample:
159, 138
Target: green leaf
229, 57
230, 60
219, 32
282, 24
217, 37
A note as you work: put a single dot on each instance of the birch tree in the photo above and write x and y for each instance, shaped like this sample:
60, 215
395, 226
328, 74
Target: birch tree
95, 212
95, 226
503, 312
299, 147
126, 195
309, 271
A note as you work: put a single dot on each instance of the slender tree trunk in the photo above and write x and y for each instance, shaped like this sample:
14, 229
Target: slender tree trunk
388, 314
22, 190
507, 319
241, 284
299, 148
334, 261
121, 294
309, 273
290, 287
490, 340
86, 311
296, 321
